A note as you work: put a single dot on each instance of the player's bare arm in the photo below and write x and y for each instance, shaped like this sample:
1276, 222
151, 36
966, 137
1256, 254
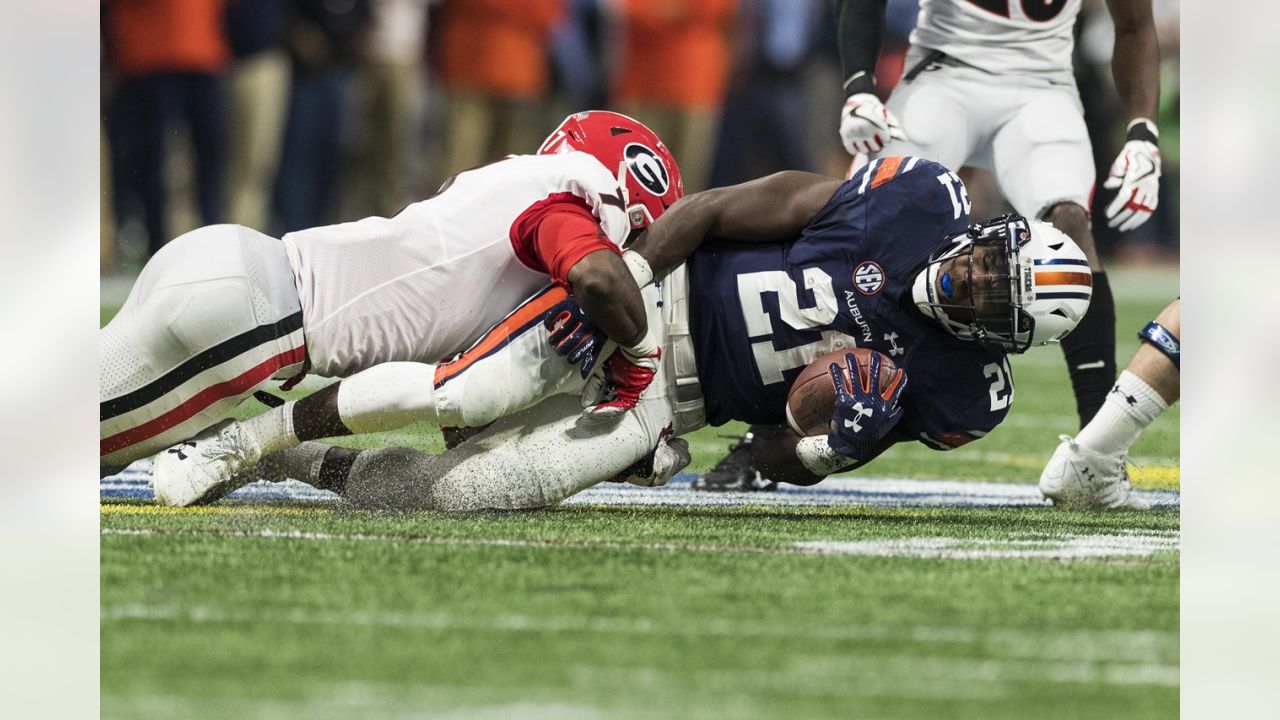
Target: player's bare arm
774, 208
604, 288
1135, 63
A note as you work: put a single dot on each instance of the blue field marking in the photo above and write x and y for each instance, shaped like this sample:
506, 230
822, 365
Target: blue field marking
884, 492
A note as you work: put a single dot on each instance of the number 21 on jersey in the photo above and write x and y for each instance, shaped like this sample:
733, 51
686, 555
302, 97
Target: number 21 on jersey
771, 363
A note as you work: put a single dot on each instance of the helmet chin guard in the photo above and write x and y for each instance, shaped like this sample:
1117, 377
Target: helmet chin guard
1008, 284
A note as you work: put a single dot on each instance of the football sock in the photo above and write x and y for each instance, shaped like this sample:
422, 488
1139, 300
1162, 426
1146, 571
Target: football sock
273, 429
1090, 350
298, 463
1130, 407
335, 468
389, 396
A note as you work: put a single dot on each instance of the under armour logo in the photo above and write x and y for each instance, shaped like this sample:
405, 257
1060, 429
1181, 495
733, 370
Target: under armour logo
853, 422
892, 339
177, 449
1132, 400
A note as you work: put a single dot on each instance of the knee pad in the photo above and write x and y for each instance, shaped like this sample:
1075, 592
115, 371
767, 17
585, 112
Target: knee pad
1161, 339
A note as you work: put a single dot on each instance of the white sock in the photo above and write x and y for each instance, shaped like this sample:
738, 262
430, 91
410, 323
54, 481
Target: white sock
1130, 407
273, 429
388, 396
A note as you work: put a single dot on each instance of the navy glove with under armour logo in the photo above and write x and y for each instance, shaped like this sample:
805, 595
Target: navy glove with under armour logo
863, 413
573, 335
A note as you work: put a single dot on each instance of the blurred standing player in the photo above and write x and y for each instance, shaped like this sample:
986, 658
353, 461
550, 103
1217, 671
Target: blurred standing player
1089, 471
223, 309
989, 83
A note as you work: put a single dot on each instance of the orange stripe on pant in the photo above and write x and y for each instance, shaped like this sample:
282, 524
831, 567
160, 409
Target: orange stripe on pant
533, 309
888, 168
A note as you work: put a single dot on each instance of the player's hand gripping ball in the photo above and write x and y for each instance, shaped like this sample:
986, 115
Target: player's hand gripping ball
850, 396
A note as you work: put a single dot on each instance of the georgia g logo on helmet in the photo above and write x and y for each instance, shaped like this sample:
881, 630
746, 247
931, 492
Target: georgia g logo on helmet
648, 170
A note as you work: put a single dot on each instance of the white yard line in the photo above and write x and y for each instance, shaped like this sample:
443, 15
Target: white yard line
1025, 546
837, 491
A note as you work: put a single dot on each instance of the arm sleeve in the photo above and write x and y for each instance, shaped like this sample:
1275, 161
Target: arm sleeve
553, 237
861, 28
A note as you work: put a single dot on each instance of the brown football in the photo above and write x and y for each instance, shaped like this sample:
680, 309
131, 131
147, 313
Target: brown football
812, 397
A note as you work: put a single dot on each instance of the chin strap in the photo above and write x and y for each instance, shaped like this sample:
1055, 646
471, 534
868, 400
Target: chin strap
1161, 339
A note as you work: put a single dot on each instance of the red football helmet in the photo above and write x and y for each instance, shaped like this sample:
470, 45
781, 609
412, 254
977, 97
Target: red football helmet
646, 169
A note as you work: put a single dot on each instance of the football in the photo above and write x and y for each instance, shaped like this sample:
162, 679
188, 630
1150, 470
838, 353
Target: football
812, 397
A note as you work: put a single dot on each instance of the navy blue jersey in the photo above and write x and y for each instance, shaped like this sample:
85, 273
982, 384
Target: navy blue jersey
761, 312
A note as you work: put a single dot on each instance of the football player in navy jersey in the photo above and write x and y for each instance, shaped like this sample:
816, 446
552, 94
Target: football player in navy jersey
754, 282
794, 265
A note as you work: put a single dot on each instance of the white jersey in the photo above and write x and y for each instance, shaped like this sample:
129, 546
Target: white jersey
1004, 37
425, 284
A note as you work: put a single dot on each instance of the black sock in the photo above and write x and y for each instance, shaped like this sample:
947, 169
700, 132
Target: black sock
1093, 345
335, 469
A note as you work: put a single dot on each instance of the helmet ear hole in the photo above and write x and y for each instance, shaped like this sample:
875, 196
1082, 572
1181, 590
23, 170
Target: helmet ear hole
638, 216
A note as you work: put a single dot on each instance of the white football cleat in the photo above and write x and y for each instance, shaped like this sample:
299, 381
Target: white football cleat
203, 469
1081, 479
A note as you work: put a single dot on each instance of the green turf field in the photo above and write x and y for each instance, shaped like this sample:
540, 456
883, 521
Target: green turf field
308, 610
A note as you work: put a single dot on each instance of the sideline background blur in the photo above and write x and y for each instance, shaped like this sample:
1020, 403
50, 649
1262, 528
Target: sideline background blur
286, 114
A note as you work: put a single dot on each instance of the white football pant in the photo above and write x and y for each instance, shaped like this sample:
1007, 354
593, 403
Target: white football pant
213, 317
1028, 131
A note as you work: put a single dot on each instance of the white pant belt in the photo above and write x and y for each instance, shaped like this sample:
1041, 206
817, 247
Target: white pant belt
683, 388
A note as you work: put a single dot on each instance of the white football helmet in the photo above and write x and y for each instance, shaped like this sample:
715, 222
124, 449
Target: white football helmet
1008, 283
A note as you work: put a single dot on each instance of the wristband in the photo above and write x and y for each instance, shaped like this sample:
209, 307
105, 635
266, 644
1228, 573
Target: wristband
639, 267
1142, 129
815, 453
859, 82
646, 347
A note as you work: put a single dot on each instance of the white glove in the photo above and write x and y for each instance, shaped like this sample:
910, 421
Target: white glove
1135, 176
866, 125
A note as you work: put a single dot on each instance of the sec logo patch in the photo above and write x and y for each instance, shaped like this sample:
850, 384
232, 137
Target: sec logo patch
868, 278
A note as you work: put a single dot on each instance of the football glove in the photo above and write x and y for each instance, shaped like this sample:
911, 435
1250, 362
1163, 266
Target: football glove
573, 335
863, 413
1135, 176
866, 125
626, 374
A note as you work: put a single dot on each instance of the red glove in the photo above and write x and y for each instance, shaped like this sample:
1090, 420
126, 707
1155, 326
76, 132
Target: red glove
627, 373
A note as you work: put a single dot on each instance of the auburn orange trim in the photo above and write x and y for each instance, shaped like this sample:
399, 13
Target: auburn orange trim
888, 168
498, 336
899, 376
1064, 278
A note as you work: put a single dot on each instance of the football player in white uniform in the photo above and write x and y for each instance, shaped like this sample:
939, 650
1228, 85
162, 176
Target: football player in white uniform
1090, 470
220, 311
989, 84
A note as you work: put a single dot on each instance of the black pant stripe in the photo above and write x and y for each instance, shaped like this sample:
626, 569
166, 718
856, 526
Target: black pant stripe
215, 355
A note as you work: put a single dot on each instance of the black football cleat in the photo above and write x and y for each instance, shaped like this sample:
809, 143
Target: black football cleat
735, 472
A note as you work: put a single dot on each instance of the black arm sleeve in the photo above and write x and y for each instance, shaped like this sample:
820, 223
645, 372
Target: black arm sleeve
861, 29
